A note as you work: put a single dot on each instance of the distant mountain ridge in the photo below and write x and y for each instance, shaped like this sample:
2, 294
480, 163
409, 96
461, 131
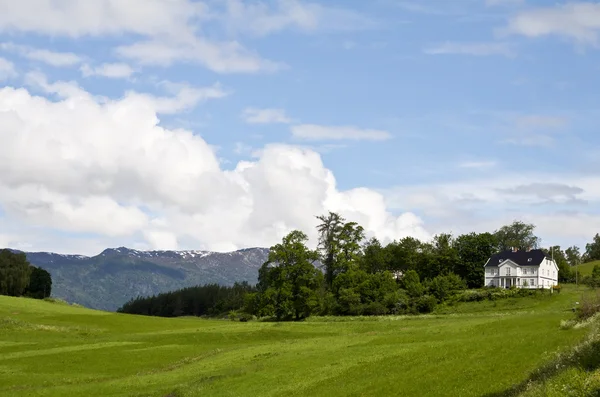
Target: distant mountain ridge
114, 276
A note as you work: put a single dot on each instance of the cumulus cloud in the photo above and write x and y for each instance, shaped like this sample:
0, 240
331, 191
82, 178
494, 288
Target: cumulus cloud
106, 166
265, 116
315, 132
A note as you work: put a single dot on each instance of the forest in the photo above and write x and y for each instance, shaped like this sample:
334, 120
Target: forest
350, 275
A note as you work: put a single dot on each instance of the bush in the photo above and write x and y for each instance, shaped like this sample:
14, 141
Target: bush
374, 309
426, 304
443, 287
397, 302
590, 305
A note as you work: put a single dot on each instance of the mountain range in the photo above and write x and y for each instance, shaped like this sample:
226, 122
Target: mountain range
108, 280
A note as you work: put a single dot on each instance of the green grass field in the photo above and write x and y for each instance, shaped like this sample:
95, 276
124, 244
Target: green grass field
473, 349
585, 269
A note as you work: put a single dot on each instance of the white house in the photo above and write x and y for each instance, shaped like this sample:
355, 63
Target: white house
523, 269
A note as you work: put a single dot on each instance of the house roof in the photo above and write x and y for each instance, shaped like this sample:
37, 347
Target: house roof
521, 258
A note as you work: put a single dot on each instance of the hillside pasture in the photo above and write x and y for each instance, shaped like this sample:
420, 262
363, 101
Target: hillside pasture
50, 349
585, 269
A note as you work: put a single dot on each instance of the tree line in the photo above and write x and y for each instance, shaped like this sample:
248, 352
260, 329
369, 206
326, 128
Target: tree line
350, 275
206, 300
19, 278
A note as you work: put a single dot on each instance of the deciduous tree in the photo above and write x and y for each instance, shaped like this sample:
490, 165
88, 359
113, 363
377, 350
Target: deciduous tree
289, 281
40, 283
14, 273
518, 235
592, 250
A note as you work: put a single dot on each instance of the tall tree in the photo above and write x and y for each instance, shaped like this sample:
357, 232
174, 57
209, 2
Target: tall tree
518, 235
444, 257
339, 244
329, 230
573, 256
351, 236
14, 273
289, 278
40, 283
474, 250
592, 250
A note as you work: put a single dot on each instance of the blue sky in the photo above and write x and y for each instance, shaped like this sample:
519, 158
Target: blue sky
432, 116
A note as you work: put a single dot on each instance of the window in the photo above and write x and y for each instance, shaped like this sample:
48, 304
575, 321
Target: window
524, 270
529, 260
508, 271
499, 260
532, 282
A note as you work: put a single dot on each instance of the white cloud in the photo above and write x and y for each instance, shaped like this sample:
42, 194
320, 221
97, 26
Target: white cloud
265, 116
74, 18
98, 165
7, 69
563, 206
221, 57
184, 97
162, 240
262, 18
477, 49
579, 21
53, 58
109, 70
170, 31
319, 132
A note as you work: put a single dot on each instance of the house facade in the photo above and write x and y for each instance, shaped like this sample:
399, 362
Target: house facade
523, 269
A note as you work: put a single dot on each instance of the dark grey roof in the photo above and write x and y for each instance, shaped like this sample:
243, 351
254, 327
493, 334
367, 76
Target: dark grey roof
521, 258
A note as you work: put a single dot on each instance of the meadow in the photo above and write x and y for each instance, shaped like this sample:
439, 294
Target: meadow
470, 349
585, 269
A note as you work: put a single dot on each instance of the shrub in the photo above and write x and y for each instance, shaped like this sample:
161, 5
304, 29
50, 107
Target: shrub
442, 287
374, 309
425, 304
397, 302
590, 305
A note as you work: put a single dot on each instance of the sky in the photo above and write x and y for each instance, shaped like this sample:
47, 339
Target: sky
224, 124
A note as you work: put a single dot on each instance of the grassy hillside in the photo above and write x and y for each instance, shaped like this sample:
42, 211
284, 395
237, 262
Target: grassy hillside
49, 349
585, 269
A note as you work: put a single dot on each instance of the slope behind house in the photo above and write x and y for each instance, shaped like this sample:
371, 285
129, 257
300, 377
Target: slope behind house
108, 280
